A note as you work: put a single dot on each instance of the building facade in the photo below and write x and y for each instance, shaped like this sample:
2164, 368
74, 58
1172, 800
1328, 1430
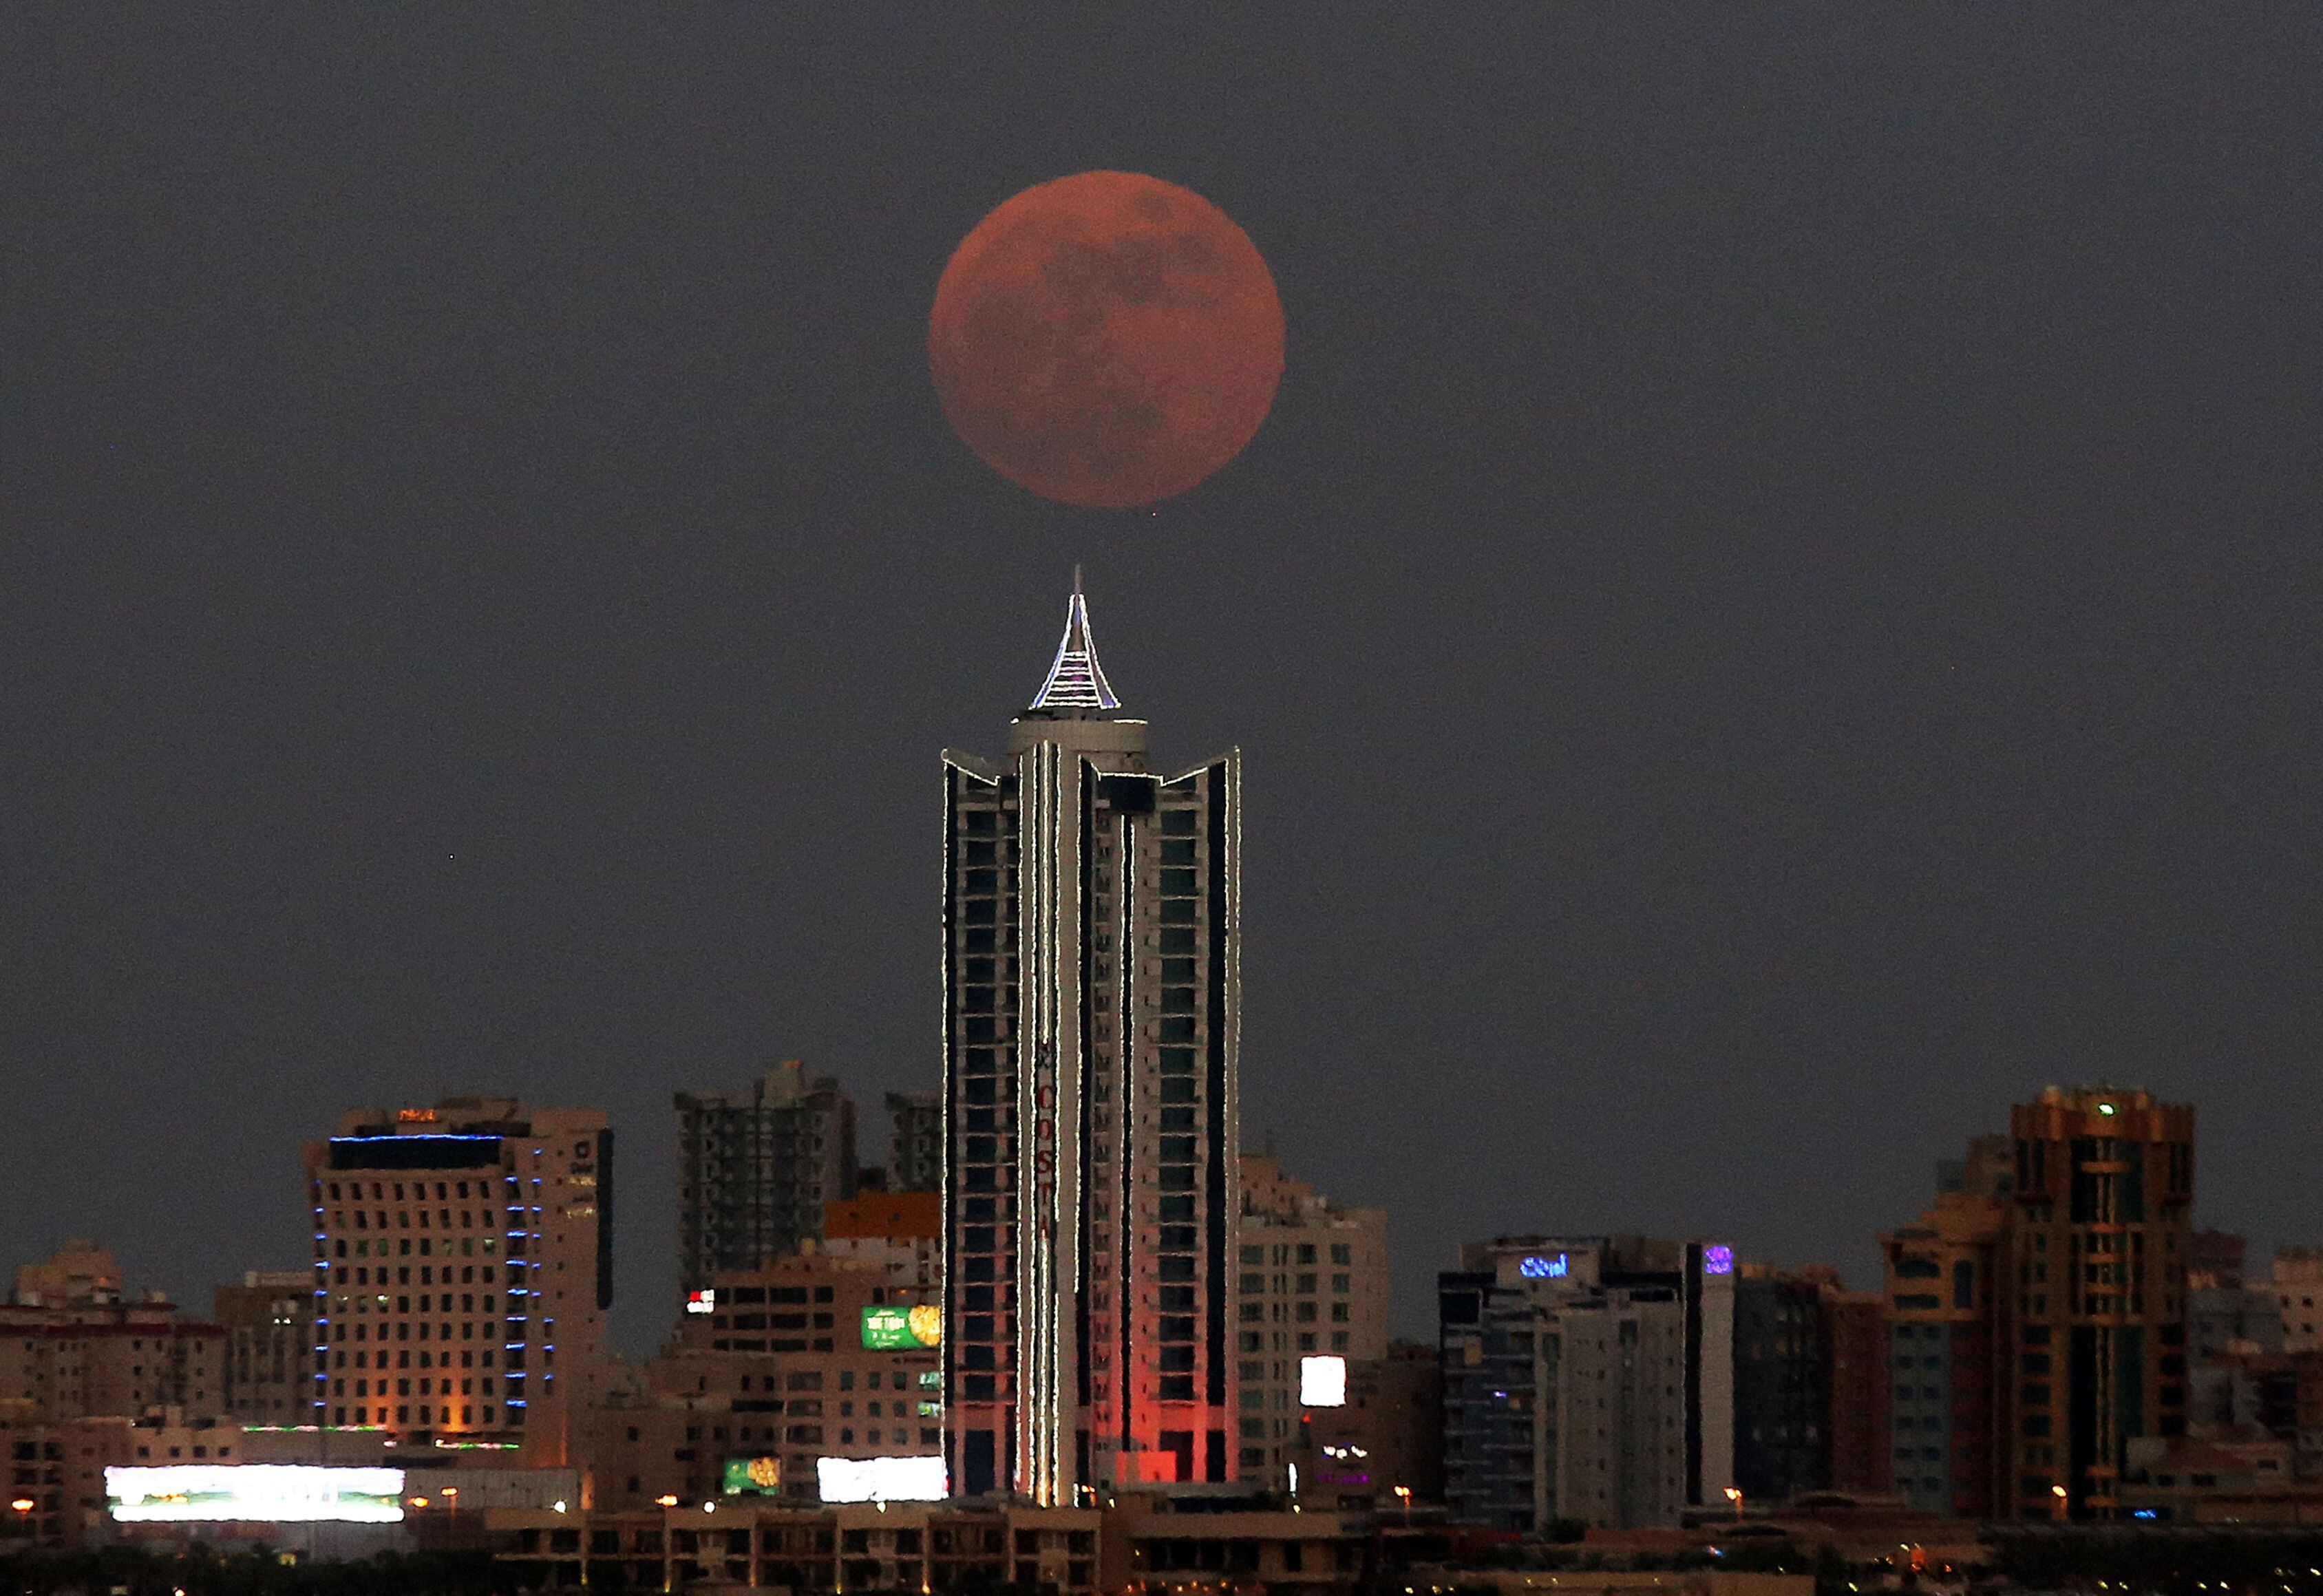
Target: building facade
1311, 1279
462, 1269
767, 1372
1588, 1378
78, 1273
755, 1164
901, 1232
1092, 1001
1782, 1384
1944, 1283
109, 1360
1385, 1445
2093, 1301
2295, 1282
269, 1321
915, 1141
1861, 1416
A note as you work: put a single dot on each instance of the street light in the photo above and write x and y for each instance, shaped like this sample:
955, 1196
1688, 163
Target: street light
1734, 1495
2058, 1492
1404, 1492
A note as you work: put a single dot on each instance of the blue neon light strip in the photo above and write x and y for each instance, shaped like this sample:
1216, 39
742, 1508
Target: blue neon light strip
428, 1136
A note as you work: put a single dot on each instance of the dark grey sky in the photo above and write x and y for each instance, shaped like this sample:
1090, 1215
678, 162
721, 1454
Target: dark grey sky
1776, 613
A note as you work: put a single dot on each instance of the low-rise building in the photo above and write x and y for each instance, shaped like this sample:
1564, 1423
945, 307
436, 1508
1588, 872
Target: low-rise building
73, 1346
1385, 1444
769, 1372
901, 1232
1207, 1542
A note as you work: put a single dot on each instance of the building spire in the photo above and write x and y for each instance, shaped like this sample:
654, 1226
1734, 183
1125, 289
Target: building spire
1076, 681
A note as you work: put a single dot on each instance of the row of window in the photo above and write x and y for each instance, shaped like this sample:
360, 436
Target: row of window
1257, 1341
1342, 1252
428, 1414
384, 1191
1254, 1285
469, 1275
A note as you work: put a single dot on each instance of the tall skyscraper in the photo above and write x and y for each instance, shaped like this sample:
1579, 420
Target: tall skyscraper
755, 1164
463, 1262
1092, 1000
2093, 1297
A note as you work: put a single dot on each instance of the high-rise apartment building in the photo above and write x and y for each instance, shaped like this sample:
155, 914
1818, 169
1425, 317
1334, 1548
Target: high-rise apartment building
1587, 1378
1944, 1279
1092, 1001
462, 1269
1311, 1279
915, 1146
2092, 1305
755, 1164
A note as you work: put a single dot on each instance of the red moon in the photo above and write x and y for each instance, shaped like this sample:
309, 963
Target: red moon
1108, 339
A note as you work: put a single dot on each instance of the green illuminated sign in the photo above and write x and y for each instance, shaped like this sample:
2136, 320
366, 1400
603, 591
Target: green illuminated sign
898, 1329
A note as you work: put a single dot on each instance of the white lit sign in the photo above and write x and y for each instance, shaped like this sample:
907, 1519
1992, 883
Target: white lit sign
258, 1493
1323, 1381
698, 1302
881, 1479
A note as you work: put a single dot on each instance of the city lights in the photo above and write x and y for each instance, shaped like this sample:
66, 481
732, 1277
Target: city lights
880, 1478
1323, 1380
259, 1493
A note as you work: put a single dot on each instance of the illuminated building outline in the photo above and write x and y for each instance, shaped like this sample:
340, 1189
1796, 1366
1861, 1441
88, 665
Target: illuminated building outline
1088, 1254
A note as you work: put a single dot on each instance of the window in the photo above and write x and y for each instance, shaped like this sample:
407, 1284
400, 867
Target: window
1341, 1253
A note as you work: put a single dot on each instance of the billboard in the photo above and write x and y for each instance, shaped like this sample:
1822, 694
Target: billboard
753, 1476
881, 1479
897, 1328
1323, 1380
255, 1493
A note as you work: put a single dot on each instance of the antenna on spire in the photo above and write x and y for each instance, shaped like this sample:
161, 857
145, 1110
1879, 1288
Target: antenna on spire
1076, 681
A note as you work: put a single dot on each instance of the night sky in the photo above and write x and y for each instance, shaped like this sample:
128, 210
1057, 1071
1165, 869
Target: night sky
1776, 613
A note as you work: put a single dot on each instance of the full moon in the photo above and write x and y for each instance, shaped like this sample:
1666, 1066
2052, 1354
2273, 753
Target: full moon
1106, 339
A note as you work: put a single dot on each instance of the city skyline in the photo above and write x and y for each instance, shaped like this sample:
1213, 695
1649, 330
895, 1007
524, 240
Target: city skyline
1774, 596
